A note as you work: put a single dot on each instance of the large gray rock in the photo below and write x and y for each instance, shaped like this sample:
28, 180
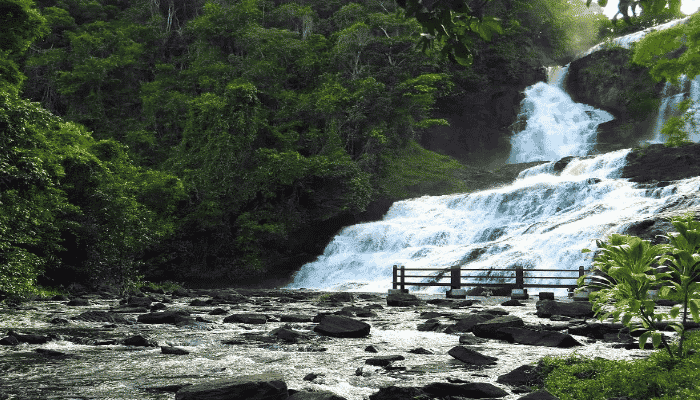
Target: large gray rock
101, 316
165, 317
539, 338
489, 329
470, 356
524, 375
576, 309
250, 318
322, 395
539, 395
467, 322
342, 327
383, 361
476, 390
248, 387
402, 300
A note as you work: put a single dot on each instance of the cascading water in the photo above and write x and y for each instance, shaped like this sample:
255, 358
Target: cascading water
672, 95
540, 221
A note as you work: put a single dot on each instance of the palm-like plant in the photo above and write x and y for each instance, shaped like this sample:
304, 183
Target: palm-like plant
623, 277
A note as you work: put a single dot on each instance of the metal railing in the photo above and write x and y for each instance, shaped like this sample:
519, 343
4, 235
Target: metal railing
521, 281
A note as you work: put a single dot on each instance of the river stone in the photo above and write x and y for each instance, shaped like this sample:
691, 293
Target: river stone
539, 395
467, 322
249, 318
295, 318
475, 390
101, 316
524, 375
173, 350
286, 334
383, 361
489, 329
269, 386
9, 341
165, 317
139, 341
322, 395
136, 301
402, 300
342, 327
577, 309
397, 393
539, 338
29, 338
78, 303
421, 350
470, 356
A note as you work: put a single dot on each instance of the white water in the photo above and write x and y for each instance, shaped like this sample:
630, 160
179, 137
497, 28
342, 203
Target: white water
672, 95
541, 221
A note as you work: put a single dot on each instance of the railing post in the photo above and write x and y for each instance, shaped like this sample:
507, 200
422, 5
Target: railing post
456, 277
581, 271
403, 277
519, 277
395, 279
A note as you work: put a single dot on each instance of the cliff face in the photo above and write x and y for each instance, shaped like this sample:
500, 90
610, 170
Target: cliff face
607, 80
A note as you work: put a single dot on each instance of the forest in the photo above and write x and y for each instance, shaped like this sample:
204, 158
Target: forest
225, 141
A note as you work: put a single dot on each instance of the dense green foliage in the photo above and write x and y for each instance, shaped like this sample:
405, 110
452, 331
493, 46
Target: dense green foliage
627, 269
657, 377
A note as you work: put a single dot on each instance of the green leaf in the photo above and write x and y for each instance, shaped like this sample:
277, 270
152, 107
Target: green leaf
643, 339
656, 339
694, 306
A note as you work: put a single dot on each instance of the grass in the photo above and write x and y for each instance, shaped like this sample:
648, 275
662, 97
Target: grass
655, 378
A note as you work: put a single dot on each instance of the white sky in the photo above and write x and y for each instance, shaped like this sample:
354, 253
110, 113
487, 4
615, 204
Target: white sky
687, 7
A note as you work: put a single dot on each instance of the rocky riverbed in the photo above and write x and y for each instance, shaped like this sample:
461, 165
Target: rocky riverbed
353, 346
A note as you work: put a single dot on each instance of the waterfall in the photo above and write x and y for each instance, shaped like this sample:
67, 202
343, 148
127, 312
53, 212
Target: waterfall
541, 221
671, 96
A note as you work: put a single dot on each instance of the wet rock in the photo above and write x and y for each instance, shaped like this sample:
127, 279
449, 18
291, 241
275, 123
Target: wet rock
467, 322
342, 327
539, 338
576, 309
539, 395
421, 350
397, 393
495, 311
136, 301
101, 316
218, 311
51, 353
310, 377
286, 334
366, 313
322, 395
524, 375
371, 349
249, 318
165, 317
173, 350
9, 341
494, 291
158, 307
181, 292
78, 303
259, 387
139, 341
201, 303
512, 303
430, 326
402, 300
657, 162
29, 338
383, 361
295, 318
59, 321
470, 339
489, 329
60, 297
469, 356
476, 390
433, 314
340, 297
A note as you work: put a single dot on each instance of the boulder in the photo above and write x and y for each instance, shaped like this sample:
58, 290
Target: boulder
467, 322
383, 361
9, 341
201, 303
286, 334
402, 300
165, 317
249, 318
397, 393
470, 356
322, 395
489, 329
421, 350
340, 297
139, 341
78, 303
173, 350
476, 390
539, 338
29, 338
342, 327
539, 395
524, 375
101, 316
251, 387
577, 309
295, 318
135, 301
